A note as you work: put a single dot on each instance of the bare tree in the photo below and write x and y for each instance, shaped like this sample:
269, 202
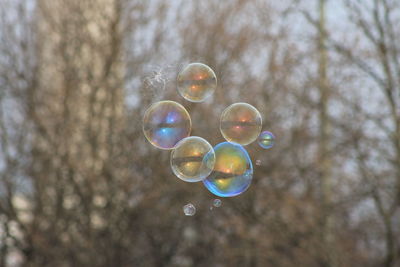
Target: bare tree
376, 57
80, 185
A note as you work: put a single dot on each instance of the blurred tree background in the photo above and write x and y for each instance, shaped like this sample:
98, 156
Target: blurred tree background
80, 185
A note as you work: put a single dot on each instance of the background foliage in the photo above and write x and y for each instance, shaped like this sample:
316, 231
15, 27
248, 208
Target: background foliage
80, 186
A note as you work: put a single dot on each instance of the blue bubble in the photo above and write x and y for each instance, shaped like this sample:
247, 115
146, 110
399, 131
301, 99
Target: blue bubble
266, 140
233, 171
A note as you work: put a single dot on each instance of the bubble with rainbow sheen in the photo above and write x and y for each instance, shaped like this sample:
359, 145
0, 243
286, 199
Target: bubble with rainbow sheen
193, 159
196, 82
240, 123
266, 140
165, 123
233, 171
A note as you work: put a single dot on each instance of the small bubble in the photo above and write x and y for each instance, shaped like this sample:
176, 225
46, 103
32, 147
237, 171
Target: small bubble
189, 209
217, 203
258, 162
266, 140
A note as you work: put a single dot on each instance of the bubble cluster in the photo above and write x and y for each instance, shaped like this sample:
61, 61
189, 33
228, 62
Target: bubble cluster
226, 170
196, 82
165, 123
240, 123
266, 140
193, 159
233, 171
189, 209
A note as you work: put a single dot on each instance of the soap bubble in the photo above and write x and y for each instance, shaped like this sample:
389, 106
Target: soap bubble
240, 123
193, 159
196, 82
189, 209
165, 123
266, 140
233, 171
217, 203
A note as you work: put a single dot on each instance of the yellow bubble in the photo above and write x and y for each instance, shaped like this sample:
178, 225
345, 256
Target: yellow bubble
196, 82
240, 123
233, 171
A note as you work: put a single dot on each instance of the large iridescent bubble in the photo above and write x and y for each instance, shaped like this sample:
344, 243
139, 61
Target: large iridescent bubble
240, 123
233, 171
193, 159
266, 140
165, 123
196, 82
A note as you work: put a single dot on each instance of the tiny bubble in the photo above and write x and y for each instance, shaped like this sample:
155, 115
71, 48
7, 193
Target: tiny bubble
189, 209
217, 203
